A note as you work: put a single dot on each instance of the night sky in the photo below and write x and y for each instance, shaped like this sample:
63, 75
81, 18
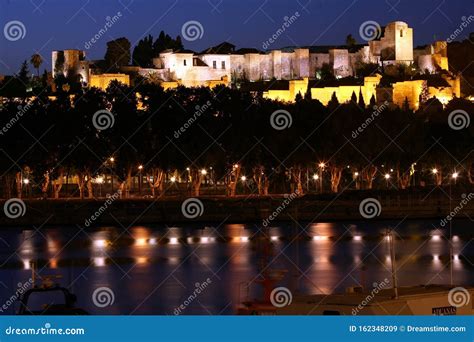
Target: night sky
65, 24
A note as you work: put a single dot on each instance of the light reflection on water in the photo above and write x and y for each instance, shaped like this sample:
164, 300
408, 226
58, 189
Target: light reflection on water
152, 270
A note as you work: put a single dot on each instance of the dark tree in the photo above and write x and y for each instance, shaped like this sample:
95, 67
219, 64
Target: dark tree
372, 101
117, 54
143, 52
165, 42
334, 102
361, 100
353, 97
350, 41
326, 73
24, 73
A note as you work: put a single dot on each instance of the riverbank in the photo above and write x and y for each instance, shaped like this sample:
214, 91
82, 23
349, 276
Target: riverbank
352, 206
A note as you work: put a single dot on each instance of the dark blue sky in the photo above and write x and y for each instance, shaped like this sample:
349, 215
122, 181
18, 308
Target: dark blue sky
63, 24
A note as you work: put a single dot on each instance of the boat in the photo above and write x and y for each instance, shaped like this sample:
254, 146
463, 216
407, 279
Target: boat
64, 307
49, 298
430, 299
440, 300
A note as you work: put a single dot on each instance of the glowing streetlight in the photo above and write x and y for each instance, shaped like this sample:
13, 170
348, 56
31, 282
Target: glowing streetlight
455, 175
100, 180
203, 172
243, 178
111, 159
356, 174
434, 171
322, 165
26, 181
387, 178
236, 166
315, 177
173, 179
140, 167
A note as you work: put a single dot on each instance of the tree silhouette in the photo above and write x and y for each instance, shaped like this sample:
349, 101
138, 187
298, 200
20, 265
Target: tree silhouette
117, 54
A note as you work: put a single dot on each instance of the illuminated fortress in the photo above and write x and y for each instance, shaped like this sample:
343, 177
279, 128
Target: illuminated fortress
298, 67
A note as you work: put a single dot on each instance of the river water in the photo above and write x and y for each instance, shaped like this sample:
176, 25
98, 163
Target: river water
157, 269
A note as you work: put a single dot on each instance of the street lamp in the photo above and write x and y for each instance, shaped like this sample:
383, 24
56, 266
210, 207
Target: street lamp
26, 181
203, 172
173, 179
387, 177
455, 176
434, 171
322, 165
140, 168
243, 178
315, 178
100, 181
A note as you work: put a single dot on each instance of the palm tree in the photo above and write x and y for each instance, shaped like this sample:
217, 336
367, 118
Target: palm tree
36, 61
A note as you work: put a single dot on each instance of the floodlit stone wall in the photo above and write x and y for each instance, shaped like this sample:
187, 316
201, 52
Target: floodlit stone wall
102, 81
340, 61
408, 90
343, 93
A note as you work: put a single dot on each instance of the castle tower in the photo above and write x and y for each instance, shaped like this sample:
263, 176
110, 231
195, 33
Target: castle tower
66, 62
396, 44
